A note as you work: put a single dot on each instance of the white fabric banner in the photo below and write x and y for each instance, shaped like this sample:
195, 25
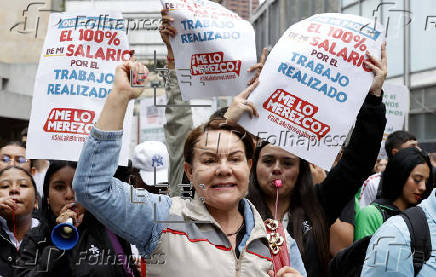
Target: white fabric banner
213, 48
74, 77
396, 99
313, 84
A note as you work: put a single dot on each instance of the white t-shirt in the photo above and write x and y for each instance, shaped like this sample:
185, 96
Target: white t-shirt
39, 181
369, 190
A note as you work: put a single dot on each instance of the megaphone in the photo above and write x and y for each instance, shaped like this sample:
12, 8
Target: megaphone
65, 236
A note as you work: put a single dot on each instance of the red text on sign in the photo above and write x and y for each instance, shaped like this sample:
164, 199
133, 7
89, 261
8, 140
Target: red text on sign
67, 120
296, 111
213, 63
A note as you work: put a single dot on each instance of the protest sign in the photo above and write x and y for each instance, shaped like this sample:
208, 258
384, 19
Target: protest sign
213, 48
74, 78
152, 119
313, 84
396, 99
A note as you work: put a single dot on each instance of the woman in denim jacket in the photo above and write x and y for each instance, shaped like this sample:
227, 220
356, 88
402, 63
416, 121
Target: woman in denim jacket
218, 232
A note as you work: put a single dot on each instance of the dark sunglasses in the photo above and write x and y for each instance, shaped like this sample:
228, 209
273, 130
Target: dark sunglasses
19, 159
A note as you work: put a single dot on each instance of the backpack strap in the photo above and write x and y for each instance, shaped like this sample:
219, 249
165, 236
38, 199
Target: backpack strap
420, 240
382, 211
386, 208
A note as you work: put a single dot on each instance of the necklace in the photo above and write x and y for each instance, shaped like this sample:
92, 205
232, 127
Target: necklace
239, 229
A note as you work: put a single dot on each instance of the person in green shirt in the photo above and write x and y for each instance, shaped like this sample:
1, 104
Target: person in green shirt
406, 181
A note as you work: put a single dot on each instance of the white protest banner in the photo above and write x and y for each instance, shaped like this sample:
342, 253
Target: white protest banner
396, 99
213, 48
313, 85
74, 77
152, 119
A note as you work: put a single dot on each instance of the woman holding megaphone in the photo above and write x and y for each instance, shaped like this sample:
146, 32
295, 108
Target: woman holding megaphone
70, 241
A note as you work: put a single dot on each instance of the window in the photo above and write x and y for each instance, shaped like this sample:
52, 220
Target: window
348, 2
368, 6
421, 40
395, 36
261, 29
422, 120
318, 6
305, 8
423, 126
332, 5
4, 83
292, 14
423, 100
274, 23
352, 10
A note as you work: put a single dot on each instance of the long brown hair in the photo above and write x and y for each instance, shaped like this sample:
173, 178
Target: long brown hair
304, 205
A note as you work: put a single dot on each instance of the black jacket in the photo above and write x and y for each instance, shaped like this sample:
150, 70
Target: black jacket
92, 256
8, 254
345, 179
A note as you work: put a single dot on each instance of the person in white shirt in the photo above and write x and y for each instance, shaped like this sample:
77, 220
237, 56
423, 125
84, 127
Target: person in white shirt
395, 141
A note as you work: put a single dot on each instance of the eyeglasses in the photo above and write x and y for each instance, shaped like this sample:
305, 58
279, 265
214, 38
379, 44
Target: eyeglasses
18, 159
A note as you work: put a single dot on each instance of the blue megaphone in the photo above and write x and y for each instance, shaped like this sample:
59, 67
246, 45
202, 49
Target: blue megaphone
65, 236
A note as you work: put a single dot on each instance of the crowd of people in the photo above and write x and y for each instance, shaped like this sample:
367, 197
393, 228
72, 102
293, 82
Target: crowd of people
249, 208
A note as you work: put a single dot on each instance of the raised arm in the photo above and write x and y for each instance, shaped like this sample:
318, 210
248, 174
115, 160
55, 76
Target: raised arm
126, 211
240, 104
360, 155
112, 115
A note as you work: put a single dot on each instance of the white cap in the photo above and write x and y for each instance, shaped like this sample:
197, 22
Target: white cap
148, 156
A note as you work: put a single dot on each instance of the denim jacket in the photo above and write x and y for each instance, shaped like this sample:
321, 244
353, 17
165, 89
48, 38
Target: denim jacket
180, 230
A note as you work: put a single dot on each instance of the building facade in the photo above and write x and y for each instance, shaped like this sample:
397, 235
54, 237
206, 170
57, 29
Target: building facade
245, 8
273, 17
23, 28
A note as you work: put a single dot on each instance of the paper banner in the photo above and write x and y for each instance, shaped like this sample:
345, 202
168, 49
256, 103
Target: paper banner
213, 48
313, 84
396, 99
74, 78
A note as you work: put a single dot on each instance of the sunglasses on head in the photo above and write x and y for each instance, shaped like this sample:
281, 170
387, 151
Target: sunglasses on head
18, 159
